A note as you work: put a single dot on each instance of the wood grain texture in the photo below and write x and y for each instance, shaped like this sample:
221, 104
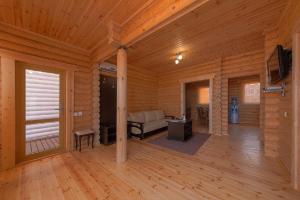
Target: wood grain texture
142, 89
277, 127
169, 90
249, 113
240, 65
22, 41
96, 102
295, 161
83, 99
121, 154
247, 64
79, 23
8, 120
218, 28
224, 168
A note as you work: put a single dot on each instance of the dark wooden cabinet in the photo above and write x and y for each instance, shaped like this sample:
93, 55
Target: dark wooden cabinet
107, 134
179, 129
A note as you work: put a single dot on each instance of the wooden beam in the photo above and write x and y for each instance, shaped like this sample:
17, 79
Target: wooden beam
157, 15
153, 17
7, 113
114, 31
121, 105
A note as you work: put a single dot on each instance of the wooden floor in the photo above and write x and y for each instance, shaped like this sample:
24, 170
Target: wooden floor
41, 145
227, 167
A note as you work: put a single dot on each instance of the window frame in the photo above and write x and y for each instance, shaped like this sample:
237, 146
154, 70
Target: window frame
243, 85
199, 96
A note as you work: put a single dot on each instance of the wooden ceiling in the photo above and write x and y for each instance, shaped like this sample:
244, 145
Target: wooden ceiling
81, 23
212, 29
219, 28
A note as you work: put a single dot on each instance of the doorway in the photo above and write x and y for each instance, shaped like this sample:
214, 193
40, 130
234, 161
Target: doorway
244, 101
197, 105
196, 102
108, 108
40, 102
244, 96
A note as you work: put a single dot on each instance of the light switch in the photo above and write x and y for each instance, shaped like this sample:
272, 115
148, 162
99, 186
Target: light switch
285, 114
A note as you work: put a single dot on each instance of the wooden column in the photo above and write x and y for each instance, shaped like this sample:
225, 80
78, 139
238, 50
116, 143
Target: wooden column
121, 105
7, 133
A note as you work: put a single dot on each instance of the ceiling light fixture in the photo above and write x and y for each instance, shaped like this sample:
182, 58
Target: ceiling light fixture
179, 56
176, 61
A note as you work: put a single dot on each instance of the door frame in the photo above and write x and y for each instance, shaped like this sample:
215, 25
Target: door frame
183, 83
295, 169
20, 112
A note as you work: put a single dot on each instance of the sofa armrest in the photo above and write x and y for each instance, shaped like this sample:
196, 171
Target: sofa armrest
170, 117
138, 125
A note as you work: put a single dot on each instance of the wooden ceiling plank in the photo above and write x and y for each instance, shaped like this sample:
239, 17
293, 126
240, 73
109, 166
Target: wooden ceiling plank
153, 17
25, 14
42, 39
95, 26
77, 21
208, 27
92, 39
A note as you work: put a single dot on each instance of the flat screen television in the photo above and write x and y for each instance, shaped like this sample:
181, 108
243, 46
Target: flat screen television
278, 64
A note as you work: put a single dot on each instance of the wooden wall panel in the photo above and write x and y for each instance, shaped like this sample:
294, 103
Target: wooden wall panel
229, 67
142, 89
96, 101
169, 90
0, 117
242, 65
249, 113
29, 43
83, 99
8, 122
271, 101
278, 109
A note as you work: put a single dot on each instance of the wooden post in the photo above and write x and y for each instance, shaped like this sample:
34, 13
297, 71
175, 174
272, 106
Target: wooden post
121, 105
7, 133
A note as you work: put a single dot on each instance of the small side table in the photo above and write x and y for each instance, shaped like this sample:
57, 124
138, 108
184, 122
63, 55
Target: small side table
84, 133
179, 129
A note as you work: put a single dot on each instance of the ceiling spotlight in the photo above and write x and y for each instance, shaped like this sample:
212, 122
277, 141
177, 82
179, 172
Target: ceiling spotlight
176, 61
179, 56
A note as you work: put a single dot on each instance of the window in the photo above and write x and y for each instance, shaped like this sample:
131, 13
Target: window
252, 93
203, 95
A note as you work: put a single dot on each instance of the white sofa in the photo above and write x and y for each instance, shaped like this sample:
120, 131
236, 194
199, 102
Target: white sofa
140, 123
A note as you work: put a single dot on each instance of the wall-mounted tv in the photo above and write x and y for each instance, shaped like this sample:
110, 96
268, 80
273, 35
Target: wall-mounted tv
278, 64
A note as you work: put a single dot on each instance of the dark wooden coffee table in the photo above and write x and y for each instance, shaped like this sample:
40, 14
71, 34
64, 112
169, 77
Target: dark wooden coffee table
179, 130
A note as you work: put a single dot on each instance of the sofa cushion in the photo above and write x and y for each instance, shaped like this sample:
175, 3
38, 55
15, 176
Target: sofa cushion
136, 117
150, 116
159, 114
151, 126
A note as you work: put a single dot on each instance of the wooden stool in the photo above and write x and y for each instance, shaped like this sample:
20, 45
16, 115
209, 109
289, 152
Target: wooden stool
84, 133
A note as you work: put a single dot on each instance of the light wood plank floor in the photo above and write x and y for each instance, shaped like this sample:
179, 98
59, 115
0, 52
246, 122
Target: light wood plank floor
227, 167
41, 145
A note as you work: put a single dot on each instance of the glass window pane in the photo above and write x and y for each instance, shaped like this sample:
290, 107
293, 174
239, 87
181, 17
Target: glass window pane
203, 95
252, 93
